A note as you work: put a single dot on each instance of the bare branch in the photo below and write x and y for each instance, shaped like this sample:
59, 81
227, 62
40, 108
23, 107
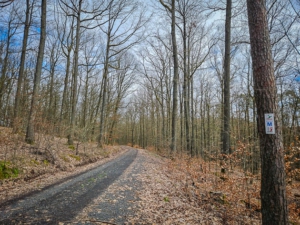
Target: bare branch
5, 3
165, 5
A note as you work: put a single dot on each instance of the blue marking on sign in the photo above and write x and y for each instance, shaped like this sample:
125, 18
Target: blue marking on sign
269, 124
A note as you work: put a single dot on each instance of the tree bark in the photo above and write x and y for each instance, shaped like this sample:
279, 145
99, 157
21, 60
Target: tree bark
273, 188
22, 66
75, 76
186, 102
172, 10
226, 107
175, 80
67, 48
65, 90
104, 92
54, 56
37, 76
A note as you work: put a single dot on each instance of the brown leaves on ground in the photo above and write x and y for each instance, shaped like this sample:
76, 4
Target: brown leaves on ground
192, 191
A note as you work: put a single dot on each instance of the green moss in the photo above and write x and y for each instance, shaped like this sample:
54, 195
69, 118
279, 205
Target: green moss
72, 147
7, 171
15, 171
166, 199
75, 157
35, 162
46, 162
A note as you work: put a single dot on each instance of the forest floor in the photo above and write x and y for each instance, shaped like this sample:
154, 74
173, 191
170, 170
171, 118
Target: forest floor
178, 191
192, 191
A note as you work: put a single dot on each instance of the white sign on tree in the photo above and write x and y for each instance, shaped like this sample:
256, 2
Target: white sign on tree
269, 123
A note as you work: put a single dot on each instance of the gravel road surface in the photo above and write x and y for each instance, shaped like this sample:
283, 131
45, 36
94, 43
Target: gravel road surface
106, 193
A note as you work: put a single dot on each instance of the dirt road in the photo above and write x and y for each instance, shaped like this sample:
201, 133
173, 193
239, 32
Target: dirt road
105, 193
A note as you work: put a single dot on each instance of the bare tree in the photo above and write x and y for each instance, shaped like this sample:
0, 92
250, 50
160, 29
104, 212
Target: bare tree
195, 50
123, 81
226, 95
273, 187
37, 76
89, 15
65, 29
172, 9
122, 33
156, 63
28, 19
11, 28
53, 60
78, 12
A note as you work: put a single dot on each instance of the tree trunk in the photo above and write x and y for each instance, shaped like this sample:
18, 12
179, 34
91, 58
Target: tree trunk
175, 74
67, 53
163, 128
37, 76
66, 82
104, 92
22, 66
193, 145
75, 76
186, 103
53, 61
85, 99
114, 119
273, 188
65, 90
226, 114
175, 80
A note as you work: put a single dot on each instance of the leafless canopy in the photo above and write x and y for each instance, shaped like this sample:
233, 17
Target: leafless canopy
5, 3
